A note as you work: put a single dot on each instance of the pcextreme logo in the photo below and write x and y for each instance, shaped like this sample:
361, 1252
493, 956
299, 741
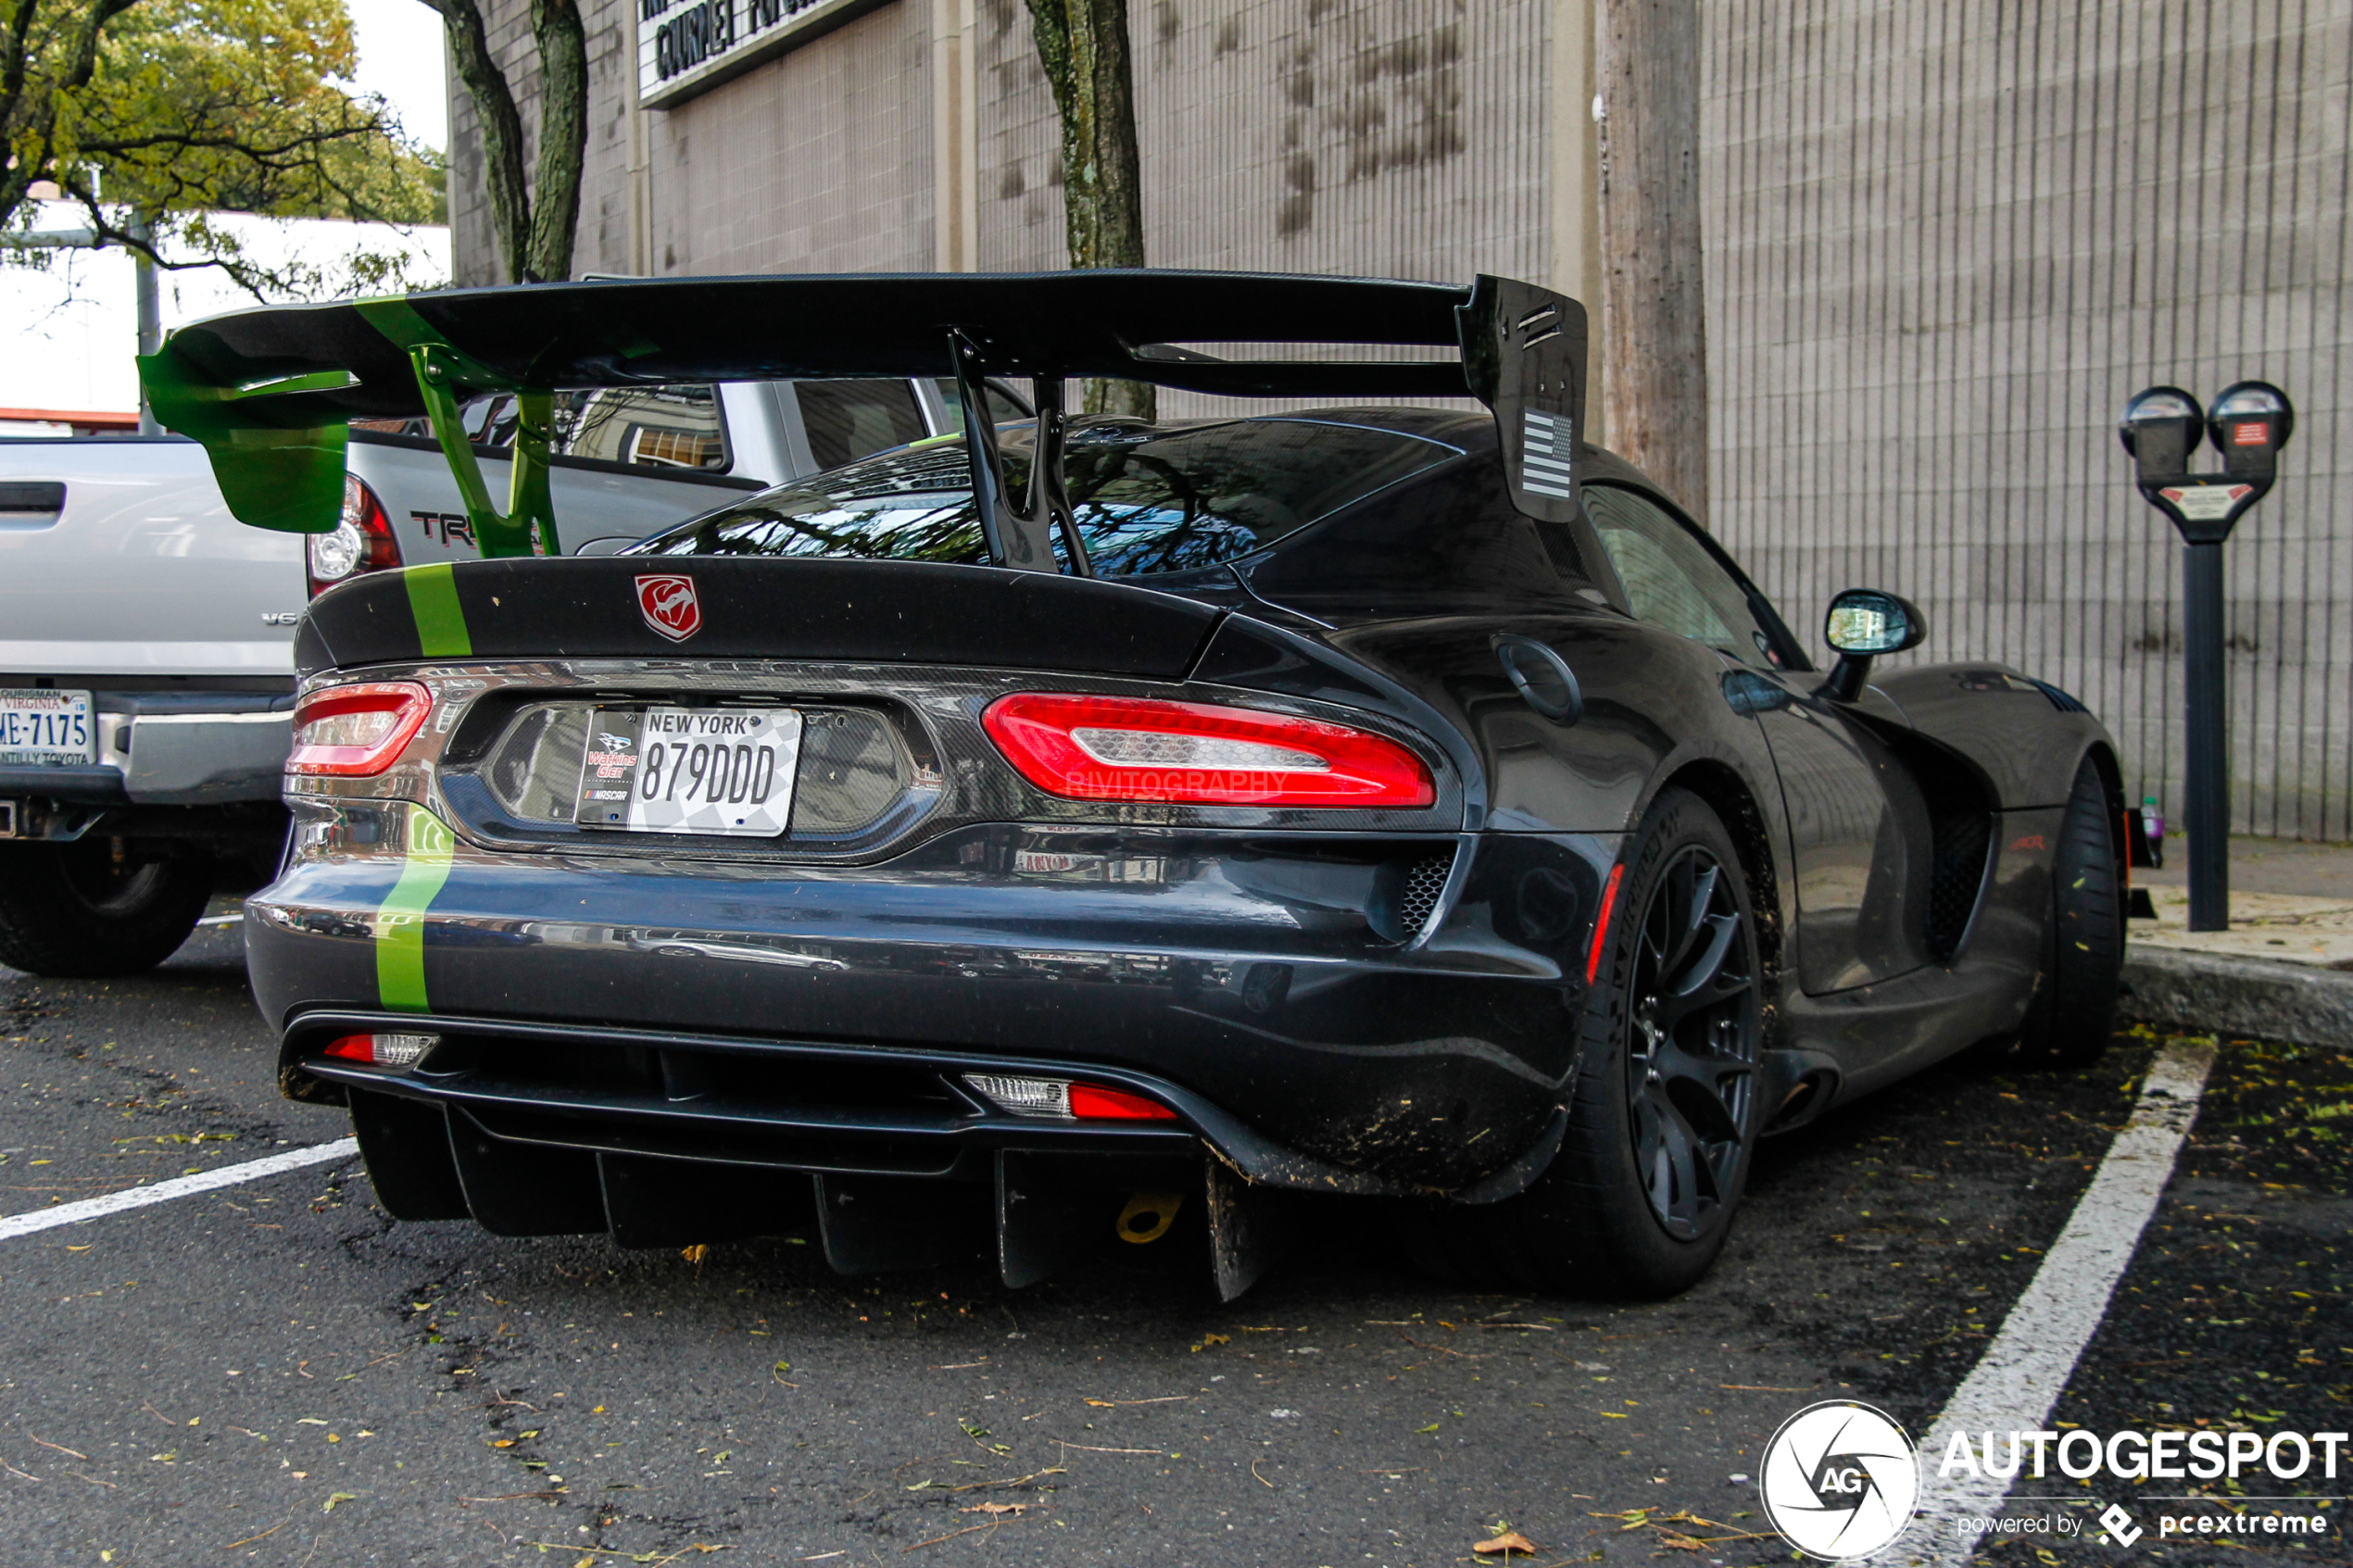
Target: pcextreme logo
1839, 1480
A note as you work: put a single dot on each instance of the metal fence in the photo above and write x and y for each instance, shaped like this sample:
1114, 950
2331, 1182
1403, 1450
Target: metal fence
1944, 242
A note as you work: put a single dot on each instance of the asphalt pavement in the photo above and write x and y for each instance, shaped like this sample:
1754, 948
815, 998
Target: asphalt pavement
275, 1372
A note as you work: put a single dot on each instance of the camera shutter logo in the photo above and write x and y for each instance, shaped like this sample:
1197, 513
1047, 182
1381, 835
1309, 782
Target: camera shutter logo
667, 601
1839, 1480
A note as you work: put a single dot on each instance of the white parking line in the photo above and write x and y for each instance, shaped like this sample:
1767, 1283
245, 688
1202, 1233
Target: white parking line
179, 1186
2019, 1381
237, 918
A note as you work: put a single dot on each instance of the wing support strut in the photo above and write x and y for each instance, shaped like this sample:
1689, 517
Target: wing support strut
1019, 536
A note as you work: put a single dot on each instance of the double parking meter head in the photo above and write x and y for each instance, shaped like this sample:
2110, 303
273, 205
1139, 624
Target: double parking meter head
2248, 424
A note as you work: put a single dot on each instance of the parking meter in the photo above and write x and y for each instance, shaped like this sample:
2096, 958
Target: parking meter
2162, 428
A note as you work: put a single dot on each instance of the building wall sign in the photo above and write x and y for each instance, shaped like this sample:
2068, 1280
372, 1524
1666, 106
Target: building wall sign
691, 46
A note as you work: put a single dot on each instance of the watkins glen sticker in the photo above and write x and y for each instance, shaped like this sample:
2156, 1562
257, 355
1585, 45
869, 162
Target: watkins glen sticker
667, 601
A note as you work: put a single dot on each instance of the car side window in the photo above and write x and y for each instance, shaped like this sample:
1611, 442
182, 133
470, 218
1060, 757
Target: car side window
653, 427
1671, 581
849, 419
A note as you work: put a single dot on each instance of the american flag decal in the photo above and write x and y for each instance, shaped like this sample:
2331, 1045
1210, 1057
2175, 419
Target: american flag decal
1547, 445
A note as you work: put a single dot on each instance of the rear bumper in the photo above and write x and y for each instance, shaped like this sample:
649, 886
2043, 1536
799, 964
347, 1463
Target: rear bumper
1243, 979
171, 748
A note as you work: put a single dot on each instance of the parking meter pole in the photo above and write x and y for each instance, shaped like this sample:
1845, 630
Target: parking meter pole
2209, 738
2250, 421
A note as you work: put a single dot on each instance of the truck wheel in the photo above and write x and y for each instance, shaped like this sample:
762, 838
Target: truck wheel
1642, 1195
71, 911
2069, 1022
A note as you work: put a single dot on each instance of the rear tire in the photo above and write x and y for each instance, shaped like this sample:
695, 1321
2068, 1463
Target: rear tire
1642, 1197
2069, 1024
70, 911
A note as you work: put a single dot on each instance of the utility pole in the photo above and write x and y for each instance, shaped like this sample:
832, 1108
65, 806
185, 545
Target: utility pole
1653, 301
150, 312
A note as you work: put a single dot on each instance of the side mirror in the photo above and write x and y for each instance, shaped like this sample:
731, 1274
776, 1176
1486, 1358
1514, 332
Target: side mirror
1862, 624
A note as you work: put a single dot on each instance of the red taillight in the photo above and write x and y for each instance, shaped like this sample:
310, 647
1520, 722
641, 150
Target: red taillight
1061, 1099
350, 732
1092, 1102
361, 541
382, 1050
1141, 748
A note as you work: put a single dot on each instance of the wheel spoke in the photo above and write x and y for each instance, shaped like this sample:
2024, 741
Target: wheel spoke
1691, 1042
1682, 1150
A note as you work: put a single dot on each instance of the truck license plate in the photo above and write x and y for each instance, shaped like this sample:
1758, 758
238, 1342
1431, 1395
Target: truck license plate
46, 726
690, 770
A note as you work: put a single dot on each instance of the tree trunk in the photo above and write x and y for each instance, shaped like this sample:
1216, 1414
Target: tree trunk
501, 126
1653, 304
563, 134
535, 227
1083, 46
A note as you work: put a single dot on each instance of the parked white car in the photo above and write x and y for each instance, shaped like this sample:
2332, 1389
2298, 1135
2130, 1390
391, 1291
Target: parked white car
147, 669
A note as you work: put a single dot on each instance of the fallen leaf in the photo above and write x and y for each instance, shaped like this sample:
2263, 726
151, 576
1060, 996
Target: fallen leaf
695, 1254
1508, 1542
339, 1498
995, 1508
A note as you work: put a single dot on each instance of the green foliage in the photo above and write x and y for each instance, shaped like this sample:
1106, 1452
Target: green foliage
233, 104
185, 107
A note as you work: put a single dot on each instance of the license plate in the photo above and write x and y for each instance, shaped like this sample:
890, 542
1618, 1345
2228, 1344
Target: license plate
46, 726
690, 770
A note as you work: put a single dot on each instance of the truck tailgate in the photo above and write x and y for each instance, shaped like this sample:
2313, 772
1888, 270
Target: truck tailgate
143, 572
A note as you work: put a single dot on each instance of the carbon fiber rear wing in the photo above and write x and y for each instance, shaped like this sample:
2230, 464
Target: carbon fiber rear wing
270, 392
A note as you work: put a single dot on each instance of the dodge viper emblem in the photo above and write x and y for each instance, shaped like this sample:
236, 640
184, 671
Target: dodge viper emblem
669, 605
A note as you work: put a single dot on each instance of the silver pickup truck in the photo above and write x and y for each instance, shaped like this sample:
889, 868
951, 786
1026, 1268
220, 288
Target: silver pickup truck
146, 671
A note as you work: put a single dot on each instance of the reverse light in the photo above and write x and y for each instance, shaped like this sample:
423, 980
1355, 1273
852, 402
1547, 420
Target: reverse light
351, 732
1060, 1099
1142, 748
361, 541
382, 1050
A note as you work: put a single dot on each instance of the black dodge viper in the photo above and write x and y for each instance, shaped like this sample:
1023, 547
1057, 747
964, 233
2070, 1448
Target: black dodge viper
1011, 841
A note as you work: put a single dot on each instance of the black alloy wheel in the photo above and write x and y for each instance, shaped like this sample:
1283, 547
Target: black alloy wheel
1691, 1046
1664, 1107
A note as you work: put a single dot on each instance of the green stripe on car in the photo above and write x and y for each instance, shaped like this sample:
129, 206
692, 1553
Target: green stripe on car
441, 619
400, 923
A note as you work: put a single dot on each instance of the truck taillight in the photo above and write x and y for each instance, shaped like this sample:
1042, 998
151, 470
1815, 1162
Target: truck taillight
1139, 748
361, 541
352, 732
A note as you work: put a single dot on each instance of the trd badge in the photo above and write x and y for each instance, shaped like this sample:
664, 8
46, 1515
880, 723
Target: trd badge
669, 605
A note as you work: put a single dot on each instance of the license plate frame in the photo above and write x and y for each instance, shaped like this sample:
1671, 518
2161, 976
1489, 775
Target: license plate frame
649, 768
42, 726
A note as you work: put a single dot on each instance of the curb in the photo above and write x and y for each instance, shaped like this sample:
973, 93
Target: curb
2247, 997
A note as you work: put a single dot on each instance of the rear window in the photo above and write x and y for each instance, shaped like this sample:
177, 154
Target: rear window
1163, 500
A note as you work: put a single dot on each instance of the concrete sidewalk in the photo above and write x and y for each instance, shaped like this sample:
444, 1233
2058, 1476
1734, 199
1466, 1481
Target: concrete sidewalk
2285, 969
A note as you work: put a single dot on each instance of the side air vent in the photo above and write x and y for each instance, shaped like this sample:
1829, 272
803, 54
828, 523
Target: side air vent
1425, 880
1961, 837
